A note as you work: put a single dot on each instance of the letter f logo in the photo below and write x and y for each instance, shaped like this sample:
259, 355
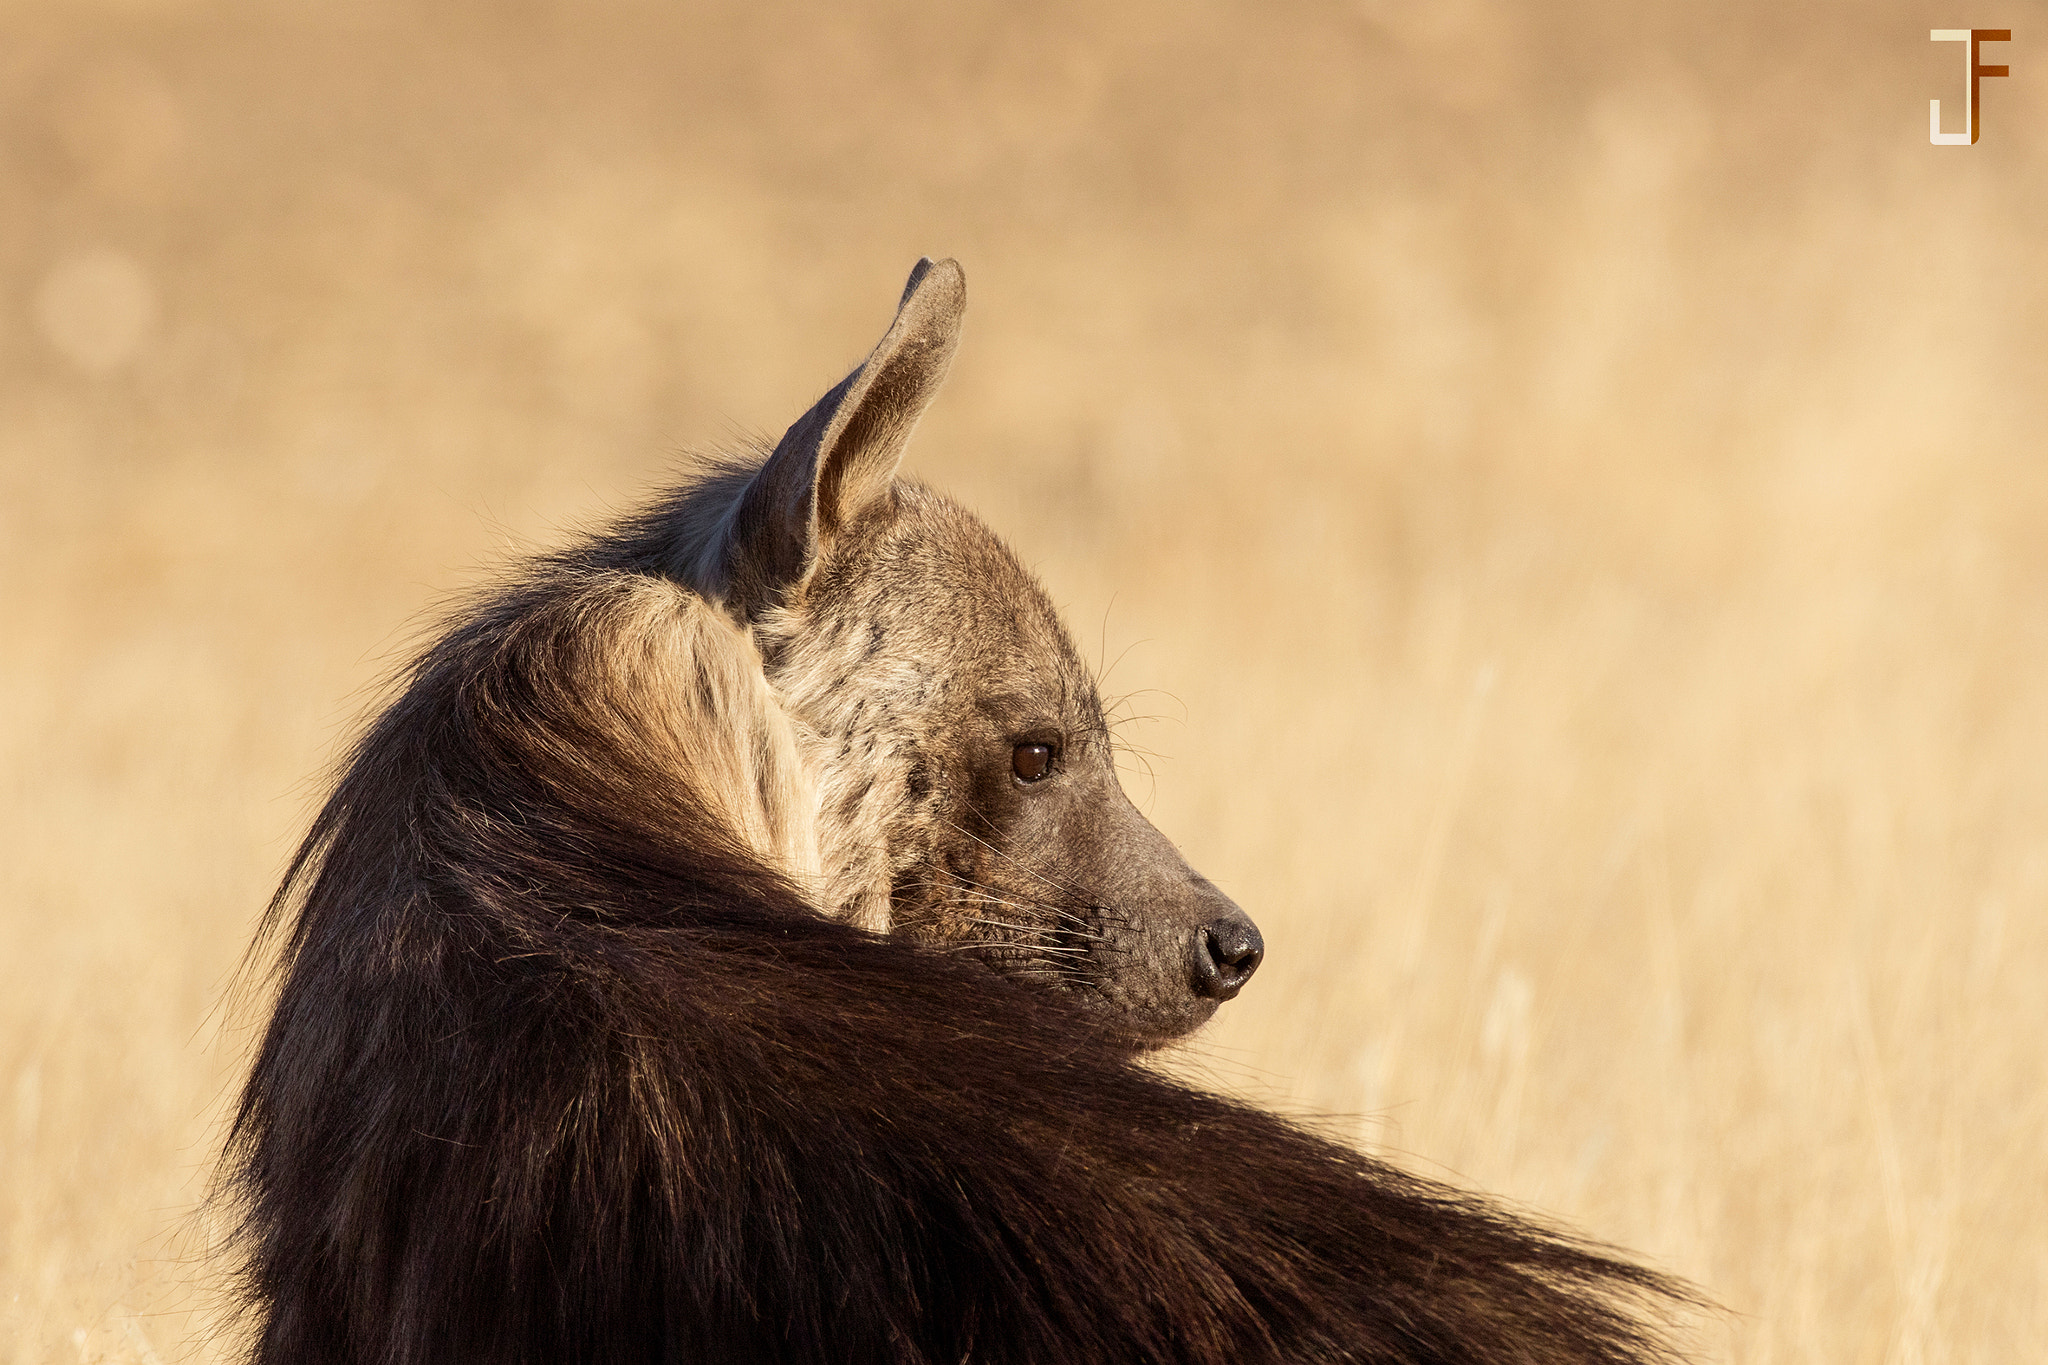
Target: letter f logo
1971, 71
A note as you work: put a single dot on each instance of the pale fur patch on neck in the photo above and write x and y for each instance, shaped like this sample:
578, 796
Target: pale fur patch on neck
679, 673
857, 753
847, 776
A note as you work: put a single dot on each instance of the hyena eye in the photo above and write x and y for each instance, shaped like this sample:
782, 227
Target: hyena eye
1031, 762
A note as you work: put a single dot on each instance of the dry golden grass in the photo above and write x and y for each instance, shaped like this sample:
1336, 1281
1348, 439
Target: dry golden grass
1570, 478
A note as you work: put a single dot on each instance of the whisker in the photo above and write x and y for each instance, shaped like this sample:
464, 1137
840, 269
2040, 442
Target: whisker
956, 881
1010, 943
1071, 925
1001, 924
975, 891
1055, 885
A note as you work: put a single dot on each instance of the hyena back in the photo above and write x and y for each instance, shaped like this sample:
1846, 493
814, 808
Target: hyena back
636, 1003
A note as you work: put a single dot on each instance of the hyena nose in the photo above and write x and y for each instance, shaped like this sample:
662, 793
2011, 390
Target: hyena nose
1227, 951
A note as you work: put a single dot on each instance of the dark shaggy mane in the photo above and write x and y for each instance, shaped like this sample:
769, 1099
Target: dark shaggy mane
559, 1071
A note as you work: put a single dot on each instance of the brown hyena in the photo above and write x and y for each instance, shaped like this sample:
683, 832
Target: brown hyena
731, 945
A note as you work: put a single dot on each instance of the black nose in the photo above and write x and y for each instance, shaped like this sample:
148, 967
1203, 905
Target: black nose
1227, 952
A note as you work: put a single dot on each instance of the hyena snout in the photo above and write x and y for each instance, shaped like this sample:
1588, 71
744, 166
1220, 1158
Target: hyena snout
1180, 947
1227, 950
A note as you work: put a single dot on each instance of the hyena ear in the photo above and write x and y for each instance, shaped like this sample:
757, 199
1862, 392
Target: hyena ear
837, 461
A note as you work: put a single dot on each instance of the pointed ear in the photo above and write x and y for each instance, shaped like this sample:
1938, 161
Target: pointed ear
838, 460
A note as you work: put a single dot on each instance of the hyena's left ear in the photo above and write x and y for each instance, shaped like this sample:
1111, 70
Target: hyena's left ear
838, 459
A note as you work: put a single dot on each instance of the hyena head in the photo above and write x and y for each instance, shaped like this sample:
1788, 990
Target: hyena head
966, 791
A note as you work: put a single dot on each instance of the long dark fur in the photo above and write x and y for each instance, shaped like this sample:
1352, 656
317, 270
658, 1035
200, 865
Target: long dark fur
562, 1069
557, 1073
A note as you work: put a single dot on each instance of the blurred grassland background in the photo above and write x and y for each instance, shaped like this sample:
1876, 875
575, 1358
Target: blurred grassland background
1568, 480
